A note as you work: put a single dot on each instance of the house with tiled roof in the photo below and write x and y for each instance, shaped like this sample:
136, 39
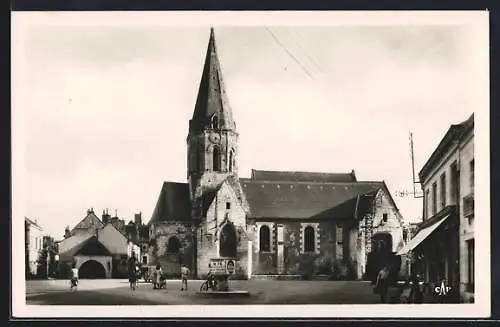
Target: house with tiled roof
98, 248
275, 222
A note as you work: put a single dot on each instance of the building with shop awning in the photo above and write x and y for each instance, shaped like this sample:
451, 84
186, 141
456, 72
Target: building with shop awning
421, 236
435, 249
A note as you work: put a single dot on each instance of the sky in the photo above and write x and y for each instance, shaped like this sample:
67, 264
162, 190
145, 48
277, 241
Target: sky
106, 108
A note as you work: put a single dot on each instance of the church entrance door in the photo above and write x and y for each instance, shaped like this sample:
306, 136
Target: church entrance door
228, 241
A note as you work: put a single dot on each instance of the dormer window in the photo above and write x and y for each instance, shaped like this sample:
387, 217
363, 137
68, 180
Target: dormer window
214, 123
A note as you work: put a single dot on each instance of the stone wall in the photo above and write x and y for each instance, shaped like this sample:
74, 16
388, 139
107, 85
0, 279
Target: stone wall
225, 209
159, 253
328, 257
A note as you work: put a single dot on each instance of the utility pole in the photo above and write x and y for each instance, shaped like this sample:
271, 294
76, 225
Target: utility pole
405, 193
413, 169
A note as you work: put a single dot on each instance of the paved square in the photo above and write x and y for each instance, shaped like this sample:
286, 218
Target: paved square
115, 292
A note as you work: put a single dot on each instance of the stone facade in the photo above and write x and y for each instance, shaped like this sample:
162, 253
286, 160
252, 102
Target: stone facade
276, 223
171, 246
339, 246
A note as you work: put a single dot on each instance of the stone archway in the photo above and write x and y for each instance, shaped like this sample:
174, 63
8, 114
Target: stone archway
228, 241
92, 269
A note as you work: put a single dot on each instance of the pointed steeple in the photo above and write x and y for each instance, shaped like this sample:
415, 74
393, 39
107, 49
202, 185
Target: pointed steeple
212, 108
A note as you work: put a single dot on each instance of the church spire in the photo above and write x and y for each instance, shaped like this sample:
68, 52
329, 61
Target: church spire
212, 109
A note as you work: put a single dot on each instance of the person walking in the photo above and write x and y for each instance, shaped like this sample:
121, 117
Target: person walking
184, 276
382, 283
73, 282
132, 273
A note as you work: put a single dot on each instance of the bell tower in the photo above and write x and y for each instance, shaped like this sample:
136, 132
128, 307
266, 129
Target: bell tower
212, 139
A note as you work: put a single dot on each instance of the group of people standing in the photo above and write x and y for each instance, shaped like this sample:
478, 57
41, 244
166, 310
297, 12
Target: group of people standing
158, 279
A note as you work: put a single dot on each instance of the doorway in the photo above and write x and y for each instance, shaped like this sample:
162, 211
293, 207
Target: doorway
91, 269
228, 241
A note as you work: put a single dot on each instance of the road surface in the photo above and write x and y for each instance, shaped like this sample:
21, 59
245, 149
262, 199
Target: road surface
116, 292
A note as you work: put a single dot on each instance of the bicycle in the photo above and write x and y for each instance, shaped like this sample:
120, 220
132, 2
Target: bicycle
209, 283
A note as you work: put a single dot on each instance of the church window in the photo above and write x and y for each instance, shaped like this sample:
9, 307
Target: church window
231, 160
216, 159
173, 245
384, 217
309, 244
228, 205
265, 239
214, 123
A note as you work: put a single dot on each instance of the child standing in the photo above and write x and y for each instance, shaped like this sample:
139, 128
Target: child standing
74, 278
184, 277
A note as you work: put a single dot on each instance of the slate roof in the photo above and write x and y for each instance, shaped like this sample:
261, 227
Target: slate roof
173, 203
212, 98
76, 243
302, 176
91, 220
83, 240
299, 200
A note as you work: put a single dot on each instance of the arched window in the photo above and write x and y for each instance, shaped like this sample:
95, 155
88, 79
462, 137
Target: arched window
231, 160
309, 239
173, 245
265, 239
214, 123
216, 159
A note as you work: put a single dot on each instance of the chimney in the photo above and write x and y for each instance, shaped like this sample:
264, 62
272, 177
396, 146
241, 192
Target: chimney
114, 220
67, 232
105, 217
138, 219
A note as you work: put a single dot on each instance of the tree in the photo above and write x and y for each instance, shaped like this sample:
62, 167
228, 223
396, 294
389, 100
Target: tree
46, 263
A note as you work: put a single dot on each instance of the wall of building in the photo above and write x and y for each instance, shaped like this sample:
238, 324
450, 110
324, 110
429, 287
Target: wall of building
466, 223
393, 225
443, 167
332, 244
105, 261
134, 249
159, 253
34, 240
113, 240
217, 217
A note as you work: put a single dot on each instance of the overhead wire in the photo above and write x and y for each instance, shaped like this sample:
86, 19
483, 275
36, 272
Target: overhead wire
310, 57
290, 54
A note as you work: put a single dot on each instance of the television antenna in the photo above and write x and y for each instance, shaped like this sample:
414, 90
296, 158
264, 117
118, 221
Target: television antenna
405, 193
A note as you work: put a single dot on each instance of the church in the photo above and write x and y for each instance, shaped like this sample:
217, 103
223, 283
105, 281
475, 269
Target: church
275, 223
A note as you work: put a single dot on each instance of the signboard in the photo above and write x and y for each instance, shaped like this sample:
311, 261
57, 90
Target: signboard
222, 266
230, 266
